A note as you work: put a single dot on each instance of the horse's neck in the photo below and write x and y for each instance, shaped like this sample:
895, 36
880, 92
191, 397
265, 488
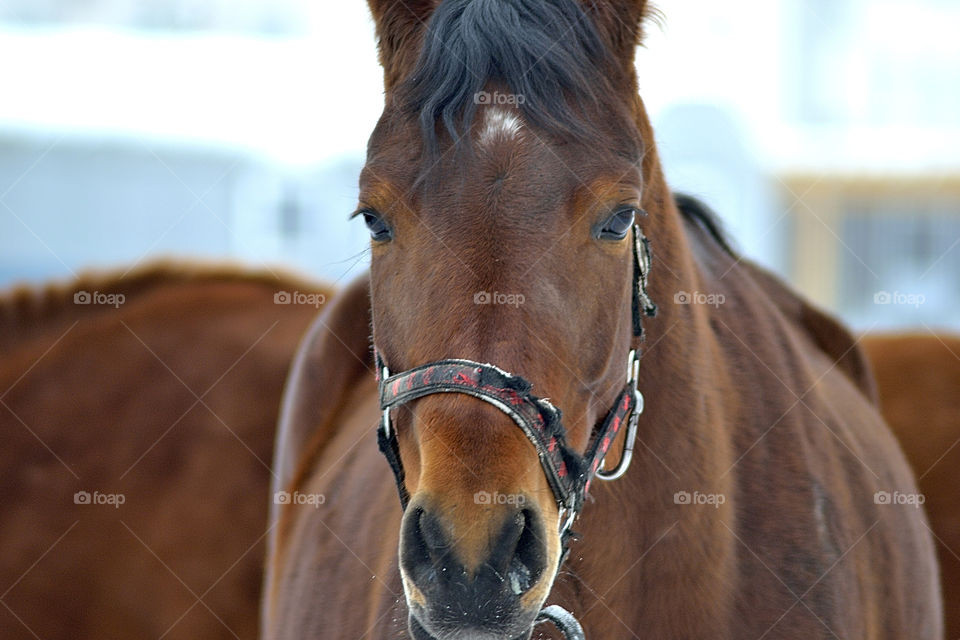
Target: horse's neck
683, 372
636, 539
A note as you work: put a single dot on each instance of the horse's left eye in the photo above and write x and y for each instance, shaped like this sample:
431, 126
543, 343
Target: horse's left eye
618, 225
379, 229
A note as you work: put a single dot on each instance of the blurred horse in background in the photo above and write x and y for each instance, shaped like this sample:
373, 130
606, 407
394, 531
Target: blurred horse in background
137, 417
918, 381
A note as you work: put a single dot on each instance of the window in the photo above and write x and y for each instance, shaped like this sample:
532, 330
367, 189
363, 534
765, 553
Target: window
901, 264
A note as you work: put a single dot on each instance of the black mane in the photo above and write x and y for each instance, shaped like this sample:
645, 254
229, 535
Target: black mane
699, 214
548, 55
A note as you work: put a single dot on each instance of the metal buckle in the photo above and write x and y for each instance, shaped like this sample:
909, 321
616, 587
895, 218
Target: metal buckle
633, 371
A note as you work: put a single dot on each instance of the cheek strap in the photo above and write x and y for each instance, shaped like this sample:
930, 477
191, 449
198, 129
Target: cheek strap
642, 305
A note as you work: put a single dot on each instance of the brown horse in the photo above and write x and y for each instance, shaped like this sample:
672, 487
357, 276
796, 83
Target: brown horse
918, 376
135, 439
502, 187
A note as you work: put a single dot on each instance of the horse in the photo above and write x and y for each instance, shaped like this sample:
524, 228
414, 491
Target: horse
917, 377
534, 286
137, 416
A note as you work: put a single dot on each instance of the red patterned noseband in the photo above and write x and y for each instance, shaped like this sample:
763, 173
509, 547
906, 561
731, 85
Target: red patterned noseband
568, 473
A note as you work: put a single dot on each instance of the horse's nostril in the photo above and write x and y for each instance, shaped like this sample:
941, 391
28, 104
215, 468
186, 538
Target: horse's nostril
432, 533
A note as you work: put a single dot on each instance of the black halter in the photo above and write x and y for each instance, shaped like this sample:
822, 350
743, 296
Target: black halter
568, 473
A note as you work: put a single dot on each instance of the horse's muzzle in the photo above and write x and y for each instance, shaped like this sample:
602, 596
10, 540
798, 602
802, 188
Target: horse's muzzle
484, 602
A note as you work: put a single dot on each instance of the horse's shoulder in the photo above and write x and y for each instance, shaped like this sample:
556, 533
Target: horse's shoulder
334, 354
825, 331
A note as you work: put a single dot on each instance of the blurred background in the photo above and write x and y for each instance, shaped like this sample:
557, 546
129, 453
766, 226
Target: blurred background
825, 132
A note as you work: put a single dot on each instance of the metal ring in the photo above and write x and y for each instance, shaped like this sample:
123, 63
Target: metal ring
627, 456
564, 621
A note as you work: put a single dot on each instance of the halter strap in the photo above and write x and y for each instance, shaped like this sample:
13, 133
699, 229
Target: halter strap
641, 305
539, 420
568, 473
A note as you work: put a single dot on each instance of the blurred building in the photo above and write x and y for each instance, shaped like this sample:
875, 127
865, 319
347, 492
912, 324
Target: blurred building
131, 130
849, 110
878, 167
825, 132
97, 204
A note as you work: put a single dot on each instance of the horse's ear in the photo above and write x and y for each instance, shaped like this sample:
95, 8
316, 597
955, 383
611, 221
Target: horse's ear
400, 28
621, 22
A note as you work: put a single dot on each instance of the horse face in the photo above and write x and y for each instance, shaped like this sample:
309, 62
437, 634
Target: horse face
506, 242
503, 255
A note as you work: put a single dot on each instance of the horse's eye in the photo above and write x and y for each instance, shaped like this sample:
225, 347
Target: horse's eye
379, 229
618, 225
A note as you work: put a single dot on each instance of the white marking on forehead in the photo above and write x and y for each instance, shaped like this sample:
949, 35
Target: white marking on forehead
499, 125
